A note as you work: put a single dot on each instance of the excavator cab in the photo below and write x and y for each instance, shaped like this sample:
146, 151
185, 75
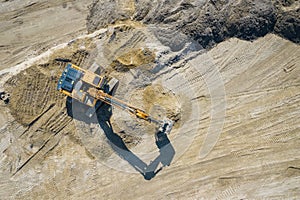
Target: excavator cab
75, 83
68, 79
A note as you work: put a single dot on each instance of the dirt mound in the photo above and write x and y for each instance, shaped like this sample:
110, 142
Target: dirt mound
133, 58
209, 22
32, 93
288, 25
155, 98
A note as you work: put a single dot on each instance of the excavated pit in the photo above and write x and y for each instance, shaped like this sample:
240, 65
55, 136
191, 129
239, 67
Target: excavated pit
164, 70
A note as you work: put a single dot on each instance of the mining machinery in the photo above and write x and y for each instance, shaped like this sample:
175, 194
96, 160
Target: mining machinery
90, 88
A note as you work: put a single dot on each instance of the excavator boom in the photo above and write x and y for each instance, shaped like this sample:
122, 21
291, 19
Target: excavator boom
166, 125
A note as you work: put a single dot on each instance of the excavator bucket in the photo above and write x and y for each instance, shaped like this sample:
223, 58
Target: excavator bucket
166, 126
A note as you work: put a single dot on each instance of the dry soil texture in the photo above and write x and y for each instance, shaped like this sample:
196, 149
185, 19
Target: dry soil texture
29, 28
235, 103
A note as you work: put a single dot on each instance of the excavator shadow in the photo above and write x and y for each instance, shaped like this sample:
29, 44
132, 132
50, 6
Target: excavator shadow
148, 171
163, 143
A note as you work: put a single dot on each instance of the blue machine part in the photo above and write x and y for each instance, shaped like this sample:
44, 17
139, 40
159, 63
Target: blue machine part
69, 78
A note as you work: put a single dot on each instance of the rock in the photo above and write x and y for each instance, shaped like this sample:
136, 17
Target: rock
288, 25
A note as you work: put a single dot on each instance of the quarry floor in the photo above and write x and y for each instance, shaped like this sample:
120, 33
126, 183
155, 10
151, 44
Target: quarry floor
236, 106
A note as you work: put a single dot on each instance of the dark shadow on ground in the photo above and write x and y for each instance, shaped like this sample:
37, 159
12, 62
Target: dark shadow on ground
104, 113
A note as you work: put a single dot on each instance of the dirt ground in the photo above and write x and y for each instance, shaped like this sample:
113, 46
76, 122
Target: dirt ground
235, 108
29, 28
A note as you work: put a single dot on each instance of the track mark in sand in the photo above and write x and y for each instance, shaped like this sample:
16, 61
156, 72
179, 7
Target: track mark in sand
32, 93
134, 40
79, 57
43, 137
260, 92
123, 44
37, 118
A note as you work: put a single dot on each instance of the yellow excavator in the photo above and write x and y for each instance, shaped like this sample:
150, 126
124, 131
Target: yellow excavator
89, 88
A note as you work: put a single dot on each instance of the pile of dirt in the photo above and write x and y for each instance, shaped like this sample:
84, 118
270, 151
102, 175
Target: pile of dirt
133, 58
288, 22
32, 93
161, 102
209, 22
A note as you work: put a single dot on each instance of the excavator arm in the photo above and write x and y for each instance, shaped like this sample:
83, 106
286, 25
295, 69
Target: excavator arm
165, 125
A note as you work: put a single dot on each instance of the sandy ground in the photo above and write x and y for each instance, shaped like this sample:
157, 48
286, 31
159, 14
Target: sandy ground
29, 28
236, 108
